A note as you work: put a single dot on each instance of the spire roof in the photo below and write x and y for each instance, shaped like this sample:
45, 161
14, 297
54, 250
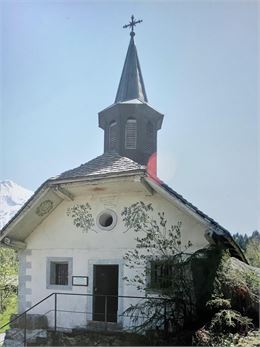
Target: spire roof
131, 85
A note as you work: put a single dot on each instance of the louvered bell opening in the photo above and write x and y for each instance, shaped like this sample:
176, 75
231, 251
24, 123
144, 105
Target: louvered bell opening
149, 138
112, 137
130, 134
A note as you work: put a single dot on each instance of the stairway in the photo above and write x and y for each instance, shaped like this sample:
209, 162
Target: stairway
15, 337
36, 331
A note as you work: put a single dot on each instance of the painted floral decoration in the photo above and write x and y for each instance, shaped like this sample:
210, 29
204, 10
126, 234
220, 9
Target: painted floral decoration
44, 208
82, 217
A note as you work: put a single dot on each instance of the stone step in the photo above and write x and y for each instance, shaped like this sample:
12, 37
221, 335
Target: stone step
33, 321
12, 343
103, 326
39, 336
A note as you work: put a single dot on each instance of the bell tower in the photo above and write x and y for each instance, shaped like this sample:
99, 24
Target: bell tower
130, 125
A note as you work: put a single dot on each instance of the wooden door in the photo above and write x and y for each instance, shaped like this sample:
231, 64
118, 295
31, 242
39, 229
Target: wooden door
105, 291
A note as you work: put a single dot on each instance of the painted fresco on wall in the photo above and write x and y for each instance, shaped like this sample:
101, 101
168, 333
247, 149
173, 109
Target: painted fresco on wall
81, 216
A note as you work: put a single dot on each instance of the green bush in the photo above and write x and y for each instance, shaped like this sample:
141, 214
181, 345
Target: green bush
217, 304
230, 321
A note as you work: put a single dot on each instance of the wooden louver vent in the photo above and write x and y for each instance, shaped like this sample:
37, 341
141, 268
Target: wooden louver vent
130, 134
112, 137
149, 140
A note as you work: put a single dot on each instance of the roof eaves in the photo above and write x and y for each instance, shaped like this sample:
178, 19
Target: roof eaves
56, 180
194, 208
27, 204
93, 177
129, 102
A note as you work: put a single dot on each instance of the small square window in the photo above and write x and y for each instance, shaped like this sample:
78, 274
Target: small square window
59, 273
161, 274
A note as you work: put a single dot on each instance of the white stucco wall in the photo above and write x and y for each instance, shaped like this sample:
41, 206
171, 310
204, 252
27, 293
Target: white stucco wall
57, 236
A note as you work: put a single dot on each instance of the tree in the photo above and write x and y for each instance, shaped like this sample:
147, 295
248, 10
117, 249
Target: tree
241, 240
244, 240
252, 251
8, 275
157, 264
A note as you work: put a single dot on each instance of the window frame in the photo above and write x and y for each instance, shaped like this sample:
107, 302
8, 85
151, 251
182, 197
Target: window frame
49, 272
151, 285
114, 219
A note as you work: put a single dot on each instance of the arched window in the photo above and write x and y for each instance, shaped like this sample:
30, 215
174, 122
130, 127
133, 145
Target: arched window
149, 140
112, 136
130, 134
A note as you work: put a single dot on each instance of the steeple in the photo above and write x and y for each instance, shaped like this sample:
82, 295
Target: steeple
130, 125
131, 84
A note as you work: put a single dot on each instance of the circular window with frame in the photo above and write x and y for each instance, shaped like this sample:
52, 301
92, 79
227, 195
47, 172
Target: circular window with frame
106, 220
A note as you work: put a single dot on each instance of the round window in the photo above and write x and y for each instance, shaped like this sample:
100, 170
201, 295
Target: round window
106, 220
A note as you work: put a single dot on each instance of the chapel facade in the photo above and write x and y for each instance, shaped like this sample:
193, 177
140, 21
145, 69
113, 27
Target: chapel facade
70, 235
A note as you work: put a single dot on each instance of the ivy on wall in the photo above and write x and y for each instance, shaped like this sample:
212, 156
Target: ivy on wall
82, 216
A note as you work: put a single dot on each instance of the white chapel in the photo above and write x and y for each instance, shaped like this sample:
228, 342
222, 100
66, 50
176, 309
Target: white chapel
70, 235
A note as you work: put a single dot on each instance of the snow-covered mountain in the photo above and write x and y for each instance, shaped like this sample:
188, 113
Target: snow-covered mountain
12, 198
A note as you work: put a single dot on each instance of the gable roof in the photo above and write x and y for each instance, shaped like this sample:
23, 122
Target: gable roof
106, 165
113, 165
219, 234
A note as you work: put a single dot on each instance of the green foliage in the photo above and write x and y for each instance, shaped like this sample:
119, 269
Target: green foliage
205, 338
11, 308
241, 240
251, 246
205, 266
8, 275
218, 304
252, 252
240, 283
252, 339
226, 321
225, 328
220, 275
82, 217
148, 314
158, 248
233, 306
156, 242
9, 265
252, 280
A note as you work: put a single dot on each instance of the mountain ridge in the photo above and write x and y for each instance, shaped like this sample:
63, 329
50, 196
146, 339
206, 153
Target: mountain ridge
12, 198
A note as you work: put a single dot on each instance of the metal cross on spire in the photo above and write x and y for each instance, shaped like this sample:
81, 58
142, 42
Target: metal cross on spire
132, 24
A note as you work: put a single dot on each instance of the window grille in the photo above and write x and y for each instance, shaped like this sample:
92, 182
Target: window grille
161, 275
130, 134
59, 273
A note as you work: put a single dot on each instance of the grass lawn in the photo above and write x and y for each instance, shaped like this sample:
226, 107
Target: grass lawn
5, 316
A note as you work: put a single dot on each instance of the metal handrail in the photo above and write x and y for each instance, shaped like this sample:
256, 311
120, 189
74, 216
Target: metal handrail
24, 314
79, 294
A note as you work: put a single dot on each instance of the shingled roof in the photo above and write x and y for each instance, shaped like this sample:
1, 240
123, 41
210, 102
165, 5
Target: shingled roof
108, 163
112, 163
221, 234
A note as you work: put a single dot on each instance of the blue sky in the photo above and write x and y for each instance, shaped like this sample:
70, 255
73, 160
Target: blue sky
61, 63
